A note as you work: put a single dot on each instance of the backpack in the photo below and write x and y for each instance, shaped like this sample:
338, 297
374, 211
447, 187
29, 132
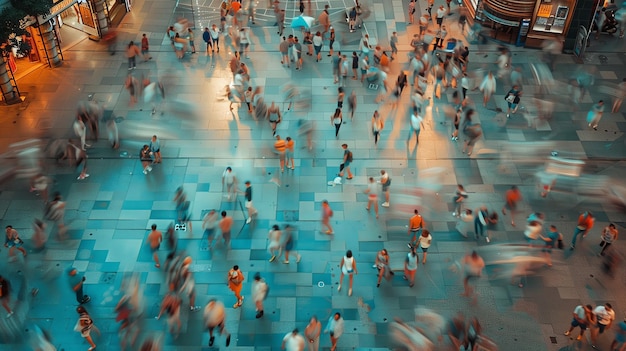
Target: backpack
349, 156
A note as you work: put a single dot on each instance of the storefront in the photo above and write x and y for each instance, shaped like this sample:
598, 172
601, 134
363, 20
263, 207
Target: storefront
551, 20
116, 9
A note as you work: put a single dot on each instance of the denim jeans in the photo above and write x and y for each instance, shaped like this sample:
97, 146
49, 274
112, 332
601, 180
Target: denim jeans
131, 62
417, 134
479, 228
576, 232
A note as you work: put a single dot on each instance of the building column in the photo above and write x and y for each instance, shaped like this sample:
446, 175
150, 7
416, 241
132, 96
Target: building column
50, 43
583, 13
8, 92
103, 23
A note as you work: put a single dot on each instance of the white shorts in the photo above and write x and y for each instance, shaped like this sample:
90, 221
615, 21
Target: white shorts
249, 204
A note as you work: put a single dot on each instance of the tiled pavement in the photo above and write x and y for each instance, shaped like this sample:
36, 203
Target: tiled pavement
109, 213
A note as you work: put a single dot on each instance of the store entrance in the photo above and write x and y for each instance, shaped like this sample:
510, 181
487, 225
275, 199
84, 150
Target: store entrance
81, 17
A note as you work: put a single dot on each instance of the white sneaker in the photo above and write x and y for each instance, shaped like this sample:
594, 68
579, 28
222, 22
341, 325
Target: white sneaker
145, 172
487, 239
385, 204
149, 169
249, 220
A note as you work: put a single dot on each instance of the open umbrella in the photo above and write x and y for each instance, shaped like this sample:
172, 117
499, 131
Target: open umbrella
302, 21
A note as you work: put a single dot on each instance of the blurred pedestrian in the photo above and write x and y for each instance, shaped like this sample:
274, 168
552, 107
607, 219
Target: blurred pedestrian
372, 195
145, 48
465, 222
293, 341
84, 324
39, 238
410, 266
512, 197
280, 148
327, 213
274, 247
620, 336
289, 153
206, 36
480, 222
458, 199
274, 116
226, 225
595, 114
377, 126
235, 283
411, 12
259, 293
416, 124
472, 130
112, 132
334, 328
324, 19
76, 284
244, 43
488, 87
215, 317
382, 265
55, 211
189, 285
81, 131
424, 242
13, 241
249, 206
551, 240
473, 267
312, 333
230, 180
504, 63
620, 94
5, 295
171, 307
385, 181
586, 220
347, 267
209, 223
288, 243
441, 13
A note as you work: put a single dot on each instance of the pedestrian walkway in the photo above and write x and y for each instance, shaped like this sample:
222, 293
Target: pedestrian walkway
109, 214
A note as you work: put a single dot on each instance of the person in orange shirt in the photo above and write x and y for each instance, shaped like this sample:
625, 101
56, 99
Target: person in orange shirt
280, 146
512, 197
585, 223
327, 212
416, 224
235, 7
235, 283
226, 223
289, 153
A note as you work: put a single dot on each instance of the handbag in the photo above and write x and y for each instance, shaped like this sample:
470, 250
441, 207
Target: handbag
559, 242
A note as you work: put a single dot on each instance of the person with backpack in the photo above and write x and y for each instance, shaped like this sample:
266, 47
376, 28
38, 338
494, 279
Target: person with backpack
347, 160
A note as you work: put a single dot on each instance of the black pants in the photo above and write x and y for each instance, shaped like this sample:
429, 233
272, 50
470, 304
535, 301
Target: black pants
376, 133
337, 126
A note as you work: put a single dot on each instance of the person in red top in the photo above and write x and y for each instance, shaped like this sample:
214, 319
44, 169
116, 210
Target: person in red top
585, 223
145, 48
326, 214
512, 197
235, 6
280, 147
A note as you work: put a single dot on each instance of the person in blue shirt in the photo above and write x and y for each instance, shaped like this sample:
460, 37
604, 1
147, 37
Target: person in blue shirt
551, 240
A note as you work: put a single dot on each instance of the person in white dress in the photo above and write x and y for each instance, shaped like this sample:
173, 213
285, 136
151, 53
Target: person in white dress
488, 87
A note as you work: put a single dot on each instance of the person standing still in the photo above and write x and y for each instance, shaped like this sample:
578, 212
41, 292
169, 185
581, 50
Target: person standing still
235, 283
145, 48
155, 149
146, 159
191, 38
215, 38
259, 293
289, 153
410, 266
347, 160
154, 240
206, 36
416, 124
76, 283
230, 180
335, 329
312, 334
474, 265
132, 51
511, 198
416, 224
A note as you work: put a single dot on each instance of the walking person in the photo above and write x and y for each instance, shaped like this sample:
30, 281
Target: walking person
382, 265
424, 242
274, 116
457, 201
441, 13
209, 224
393, 42
480, 222
145, 156
296, 49
132, 51
609, 235
473, 266
76, 283
334, 328
347, 267
289, 153
336, 119
324, 19
472, 130
55, 211
230, 180
189, 284
512, 197
410, 266
372, 195
318, 42
352, 104
171, 307
84, 324
581, 317
312, 334
620, 336
488, 87
327, 213
274, 247
385, 181
226, 224
289, 243
5, 295
416, 225
377, 126
512, 100
145, 48
13, 241
155, 149
293, 341
214, 316
244, 43
605, 315
154, 240
595, 114
235, 283
215, 38
248, 196
206, 36
259, 293
280, 147
416, 124
586, 220
81, 131
347, 160
191, 37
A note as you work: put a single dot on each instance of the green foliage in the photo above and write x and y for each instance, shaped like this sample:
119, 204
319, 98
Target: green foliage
33, 7
10, 22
